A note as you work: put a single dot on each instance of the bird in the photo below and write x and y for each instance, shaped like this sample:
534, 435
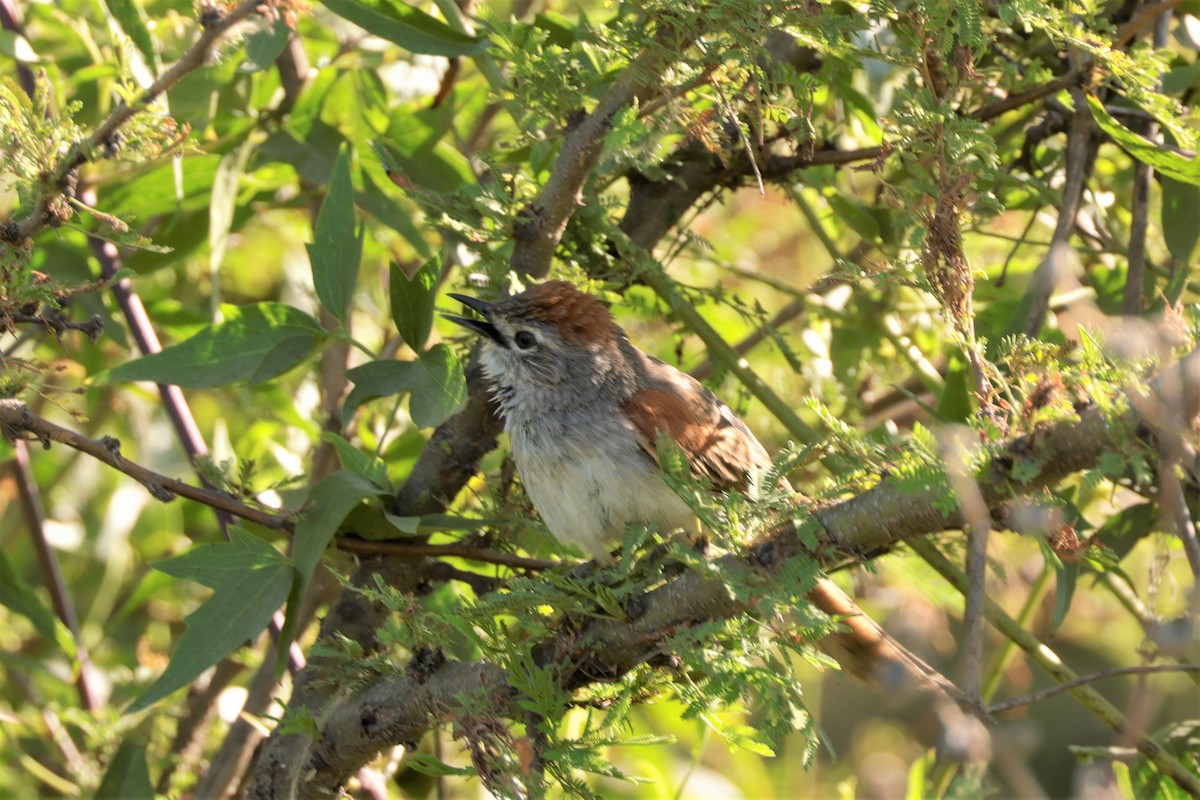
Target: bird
584, 408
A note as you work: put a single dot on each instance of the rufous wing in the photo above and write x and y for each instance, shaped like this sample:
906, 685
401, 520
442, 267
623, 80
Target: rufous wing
720, 447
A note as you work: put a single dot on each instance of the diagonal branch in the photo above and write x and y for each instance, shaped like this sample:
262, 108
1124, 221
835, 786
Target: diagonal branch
545, 219
1082, 146
1051, 691
195, 57
399, 709
1050, 662
18, 423
52, 576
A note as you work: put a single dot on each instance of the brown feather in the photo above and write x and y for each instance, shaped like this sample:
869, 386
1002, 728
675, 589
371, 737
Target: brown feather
720, 448
579, 317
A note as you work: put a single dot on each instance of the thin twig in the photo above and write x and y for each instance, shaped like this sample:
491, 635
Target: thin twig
352, 544
746, 146
1050, 691
1053, 665
53, 322
52, 577
195, 57
1018, 242
16, 420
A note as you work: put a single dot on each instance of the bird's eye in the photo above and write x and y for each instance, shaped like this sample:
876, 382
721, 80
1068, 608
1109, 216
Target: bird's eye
525, 340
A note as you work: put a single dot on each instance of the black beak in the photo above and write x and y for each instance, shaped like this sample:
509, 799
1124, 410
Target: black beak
481, 327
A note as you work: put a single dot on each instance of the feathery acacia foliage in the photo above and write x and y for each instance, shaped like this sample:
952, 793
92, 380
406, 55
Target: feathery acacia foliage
937, 253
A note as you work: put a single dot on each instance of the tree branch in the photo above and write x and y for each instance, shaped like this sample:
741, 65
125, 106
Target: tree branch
17, 422
545, 219
195, 57
399, 709
1050, 691
52, 577
1082, 146
1050, 662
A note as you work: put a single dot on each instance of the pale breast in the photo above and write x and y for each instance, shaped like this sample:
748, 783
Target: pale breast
589, 482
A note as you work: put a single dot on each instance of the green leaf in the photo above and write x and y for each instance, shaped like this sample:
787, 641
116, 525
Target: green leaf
127, 777
855, 216
1066, 578
375, 379
1177, 80
412, 302
560, 29
128, 15
22, 599
337, 248
17, 47
439, 390
427, 764
1127, 527
742, 736
1167, 162
224, 202
356, 461
330, 501
255, 342
389, 211
412, 29
436, 381
1180, 219
249, 579
404, 524
954, 403
171, 188
264, 46
411, 154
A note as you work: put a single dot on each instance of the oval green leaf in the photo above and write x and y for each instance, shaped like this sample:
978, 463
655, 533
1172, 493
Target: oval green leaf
336, 251
412, 29
412, 302
255, 342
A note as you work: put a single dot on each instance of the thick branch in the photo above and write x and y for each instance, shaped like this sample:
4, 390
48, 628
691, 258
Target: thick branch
656, 205
545, 219
881, 517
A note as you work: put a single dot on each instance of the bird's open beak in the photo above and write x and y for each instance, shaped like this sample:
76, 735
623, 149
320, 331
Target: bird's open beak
481, 327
